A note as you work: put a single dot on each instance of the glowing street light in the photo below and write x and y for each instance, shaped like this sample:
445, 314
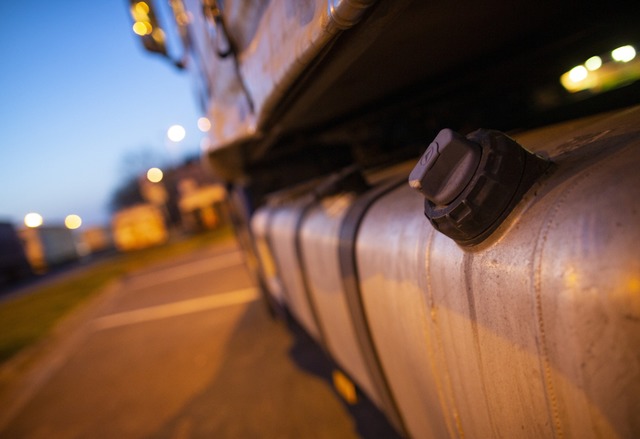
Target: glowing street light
154, 175
204, 124
33, 220
72, 222
176, 133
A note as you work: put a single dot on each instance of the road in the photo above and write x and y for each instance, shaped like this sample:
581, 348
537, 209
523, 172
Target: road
182, 350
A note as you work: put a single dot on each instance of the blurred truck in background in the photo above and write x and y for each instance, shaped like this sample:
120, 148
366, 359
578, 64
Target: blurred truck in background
444, 195
49, 246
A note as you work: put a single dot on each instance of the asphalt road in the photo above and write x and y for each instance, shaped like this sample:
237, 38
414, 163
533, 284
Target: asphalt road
183, 350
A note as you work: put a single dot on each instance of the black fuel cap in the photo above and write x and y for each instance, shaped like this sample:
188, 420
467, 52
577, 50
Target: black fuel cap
470, 184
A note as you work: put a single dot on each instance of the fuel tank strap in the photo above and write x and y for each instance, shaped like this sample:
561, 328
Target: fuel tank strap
350, 281
304, 274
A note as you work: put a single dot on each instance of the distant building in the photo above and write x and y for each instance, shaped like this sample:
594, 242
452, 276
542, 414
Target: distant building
97, 239
189, 196
200, 205
139, 227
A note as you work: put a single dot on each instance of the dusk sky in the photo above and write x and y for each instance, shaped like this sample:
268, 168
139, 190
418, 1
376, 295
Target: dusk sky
78, 95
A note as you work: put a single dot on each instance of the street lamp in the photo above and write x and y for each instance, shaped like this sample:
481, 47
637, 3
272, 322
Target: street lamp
204, 124
154, 175
33, 220
72, 222
176, 133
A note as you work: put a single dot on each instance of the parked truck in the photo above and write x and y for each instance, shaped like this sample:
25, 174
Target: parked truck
444, 195
49, 247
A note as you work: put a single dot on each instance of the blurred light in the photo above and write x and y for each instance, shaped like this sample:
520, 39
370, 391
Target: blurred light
204, 125
140, 13
183, 18
634, 285
33, 219
158, 35
593, 63
72, 222
142, 28
623, 54
176, 133
578, 73
139, 28
345, 387
154, 175
141, 8
578, 78
600, 74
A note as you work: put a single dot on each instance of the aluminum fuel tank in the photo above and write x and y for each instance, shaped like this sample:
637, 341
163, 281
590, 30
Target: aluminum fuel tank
534, 332
260, 227
283, 233
320, 239
302, 236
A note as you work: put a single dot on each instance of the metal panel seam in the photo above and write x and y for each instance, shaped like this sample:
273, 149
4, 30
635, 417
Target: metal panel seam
429, 304
536, 275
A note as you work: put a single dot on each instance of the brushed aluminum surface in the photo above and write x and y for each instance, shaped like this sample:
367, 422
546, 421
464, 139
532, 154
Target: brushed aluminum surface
283, 239
534, 333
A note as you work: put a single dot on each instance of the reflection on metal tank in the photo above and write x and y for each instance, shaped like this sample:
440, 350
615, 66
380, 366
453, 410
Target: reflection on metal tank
285, 225
535, 332
260, 226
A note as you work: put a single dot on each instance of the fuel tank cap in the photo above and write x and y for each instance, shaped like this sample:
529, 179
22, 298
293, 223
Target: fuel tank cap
472, 183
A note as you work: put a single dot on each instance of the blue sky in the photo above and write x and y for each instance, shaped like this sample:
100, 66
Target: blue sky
78, 95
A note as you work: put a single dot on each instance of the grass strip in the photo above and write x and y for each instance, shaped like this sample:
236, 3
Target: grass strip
28, 318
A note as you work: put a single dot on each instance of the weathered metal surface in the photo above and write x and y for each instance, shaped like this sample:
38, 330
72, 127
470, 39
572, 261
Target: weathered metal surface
276, 41
534, 333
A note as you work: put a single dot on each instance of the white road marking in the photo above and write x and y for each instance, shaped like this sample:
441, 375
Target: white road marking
176, 309
186, 270
16, 399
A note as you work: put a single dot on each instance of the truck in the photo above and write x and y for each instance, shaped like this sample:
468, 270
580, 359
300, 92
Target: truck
442, 194
49, 247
